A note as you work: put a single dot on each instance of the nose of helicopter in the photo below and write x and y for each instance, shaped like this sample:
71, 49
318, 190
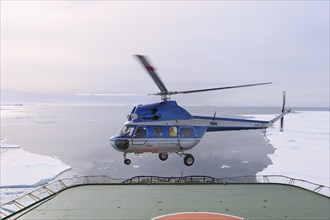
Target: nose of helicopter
120, 144
112, 141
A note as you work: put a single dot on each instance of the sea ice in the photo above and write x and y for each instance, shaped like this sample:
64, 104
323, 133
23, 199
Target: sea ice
8, 146
24, 169
302, 150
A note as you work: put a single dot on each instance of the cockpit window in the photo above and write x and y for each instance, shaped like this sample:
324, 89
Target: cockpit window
127, 131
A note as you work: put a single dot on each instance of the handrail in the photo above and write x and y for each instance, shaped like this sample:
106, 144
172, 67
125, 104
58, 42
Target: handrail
45, 191
183, 179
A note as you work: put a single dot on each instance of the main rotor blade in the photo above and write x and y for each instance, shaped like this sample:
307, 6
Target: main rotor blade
151, 70
110, 94
219, 88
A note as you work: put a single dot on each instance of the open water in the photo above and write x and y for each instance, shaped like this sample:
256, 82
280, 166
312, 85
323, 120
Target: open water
78, 135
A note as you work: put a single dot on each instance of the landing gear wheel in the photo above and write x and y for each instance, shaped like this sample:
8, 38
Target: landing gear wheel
127, 161
163, 156
188, 160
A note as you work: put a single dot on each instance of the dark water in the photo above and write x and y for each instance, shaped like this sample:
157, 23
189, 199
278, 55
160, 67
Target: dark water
79, 135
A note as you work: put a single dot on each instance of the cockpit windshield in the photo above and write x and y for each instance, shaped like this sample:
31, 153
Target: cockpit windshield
127, 131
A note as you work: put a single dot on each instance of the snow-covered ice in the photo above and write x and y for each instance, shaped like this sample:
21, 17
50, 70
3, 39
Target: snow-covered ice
302, 150
8, 146
24, 169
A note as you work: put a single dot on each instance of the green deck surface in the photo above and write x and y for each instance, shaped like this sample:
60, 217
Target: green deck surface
249, 201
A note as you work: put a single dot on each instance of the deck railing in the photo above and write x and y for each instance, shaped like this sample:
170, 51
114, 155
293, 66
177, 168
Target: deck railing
53, 188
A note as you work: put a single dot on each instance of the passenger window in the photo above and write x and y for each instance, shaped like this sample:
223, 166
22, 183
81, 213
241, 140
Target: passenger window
141, 132
186, 132
158, 131
173, 131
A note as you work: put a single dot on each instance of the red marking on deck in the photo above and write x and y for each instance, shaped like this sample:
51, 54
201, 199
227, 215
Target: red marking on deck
197, 216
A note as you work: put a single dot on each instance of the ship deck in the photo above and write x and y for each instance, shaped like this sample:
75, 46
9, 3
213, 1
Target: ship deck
147, 200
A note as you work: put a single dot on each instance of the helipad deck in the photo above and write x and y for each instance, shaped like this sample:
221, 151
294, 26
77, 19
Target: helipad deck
147, 201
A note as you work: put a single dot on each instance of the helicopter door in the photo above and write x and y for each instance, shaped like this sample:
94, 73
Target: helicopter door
187, 137
140, 135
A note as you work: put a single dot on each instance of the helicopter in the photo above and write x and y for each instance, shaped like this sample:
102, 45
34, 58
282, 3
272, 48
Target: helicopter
165, 127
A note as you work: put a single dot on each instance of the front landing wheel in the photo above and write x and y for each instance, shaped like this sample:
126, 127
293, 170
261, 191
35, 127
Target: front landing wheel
127, 161
163, 156
188, 160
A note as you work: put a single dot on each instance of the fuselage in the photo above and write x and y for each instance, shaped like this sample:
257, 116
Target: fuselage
167, 136
167, 127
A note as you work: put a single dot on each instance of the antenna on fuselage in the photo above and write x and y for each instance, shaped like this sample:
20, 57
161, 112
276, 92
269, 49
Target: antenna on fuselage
215, 113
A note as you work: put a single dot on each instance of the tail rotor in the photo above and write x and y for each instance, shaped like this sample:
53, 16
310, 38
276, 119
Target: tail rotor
283, 110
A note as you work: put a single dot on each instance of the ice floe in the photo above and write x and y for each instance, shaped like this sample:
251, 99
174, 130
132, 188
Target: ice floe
24, 169
302, 150
9, 146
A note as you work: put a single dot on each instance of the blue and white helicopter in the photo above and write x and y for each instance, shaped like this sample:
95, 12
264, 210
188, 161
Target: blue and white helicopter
166, 128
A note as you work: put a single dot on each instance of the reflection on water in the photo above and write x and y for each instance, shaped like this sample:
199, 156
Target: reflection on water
79, 136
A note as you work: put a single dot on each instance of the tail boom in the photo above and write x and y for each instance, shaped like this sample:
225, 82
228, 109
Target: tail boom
284, 112
234, 124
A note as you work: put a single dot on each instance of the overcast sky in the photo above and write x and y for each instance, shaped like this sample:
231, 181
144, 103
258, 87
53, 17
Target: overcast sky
52, 50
